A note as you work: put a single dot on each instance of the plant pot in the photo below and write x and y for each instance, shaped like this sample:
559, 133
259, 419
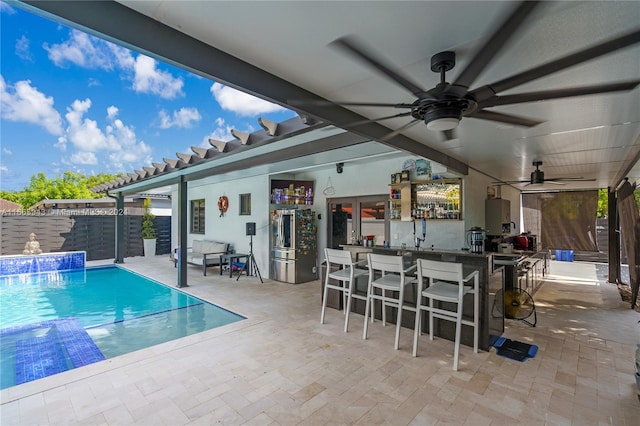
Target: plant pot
149, 247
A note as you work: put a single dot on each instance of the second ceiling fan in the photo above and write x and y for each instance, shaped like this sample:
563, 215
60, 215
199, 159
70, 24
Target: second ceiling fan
537, 178
443, 107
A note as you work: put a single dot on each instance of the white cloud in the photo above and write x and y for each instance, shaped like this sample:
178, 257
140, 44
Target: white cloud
184, 117
89, 139
25, 103
131, 156
83, 157
86, 51
112, 112
149, 79
242, 103
7, 151
23, 50
61, 144
83, 50
83, 133
222, 133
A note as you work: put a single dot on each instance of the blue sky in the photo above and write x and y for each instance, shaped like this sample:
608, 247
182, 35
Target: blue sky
71, 101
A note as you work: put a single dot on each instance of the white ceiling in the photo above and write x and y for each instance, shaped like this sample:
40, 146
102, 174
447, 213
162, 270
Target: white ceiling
594, 136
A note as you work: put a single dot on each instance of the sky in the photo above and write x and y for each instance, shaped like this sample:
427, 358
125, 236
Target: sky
73, 102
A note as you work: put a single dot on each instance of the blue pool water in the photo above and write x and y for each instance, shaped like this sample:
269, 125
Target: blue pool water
54, 321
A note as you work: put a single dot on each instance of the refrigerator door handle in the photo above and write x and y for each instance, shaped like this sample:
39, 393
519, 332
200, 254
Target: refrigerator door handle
280, 230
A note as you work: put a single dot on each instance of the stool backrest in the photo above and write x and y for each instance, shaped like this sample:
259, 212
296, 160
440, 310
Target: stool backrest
338, 257
437, 270
386, 263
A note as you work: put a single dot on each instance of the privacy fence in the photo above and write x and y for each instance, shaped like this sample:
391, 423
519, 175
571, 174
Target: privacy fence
94, 234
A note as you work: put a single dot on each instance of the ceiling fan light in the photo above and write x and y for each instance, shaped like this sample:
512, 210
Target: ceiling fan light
444, 123
442, 117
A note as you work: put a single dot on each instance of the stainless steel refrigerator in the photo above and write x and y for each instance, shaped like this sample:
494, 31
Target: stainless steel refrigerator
294, 248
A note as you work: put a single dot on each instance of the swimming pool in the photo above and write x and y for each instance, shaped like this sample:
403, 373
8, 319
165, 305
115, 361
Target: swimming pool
55, 321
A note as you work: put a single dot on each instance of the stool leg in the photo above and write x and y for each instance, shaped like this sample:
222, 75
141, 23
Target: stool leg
416, 329
324, 299
430, 318
398, 323
347, 309
476, 313
366, 315
456, 351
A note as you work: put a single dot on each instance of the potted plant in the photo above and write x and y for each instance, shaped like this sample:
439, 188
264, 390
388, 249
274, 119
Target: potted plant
148, 231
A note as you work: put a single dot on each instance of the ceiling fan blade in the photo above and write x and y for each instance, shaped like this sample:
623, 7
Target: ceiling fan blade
558, 93
553, 182
573, 179
487, 52
324, 102
510, 182
399, 130
450, 135
504, 118
609, 46
354, 48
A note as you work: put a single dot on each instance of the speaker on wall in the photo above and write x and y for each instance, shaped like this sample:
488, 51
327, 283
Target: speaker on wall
251, 228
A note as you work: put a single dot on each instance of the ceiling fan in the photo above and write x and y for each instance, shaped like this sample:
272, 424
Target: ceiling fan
537, 178
443, 107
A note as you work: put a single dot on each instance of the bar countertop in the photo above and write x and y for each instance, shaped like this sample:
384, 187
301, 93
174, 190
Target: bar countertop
434, 250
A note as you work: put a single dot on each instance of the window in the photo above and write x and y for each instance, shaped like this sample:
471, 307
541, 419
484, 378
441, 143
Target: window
197, 216
245, 204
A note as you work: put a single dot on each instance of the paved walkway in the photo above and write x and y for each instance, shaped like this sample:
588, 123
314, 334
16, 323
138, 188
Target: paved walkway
280, 366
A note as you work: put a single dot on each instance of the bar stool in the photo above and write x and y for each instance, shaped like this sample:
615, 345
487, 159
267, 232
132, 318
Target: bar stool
393, 278
445, 283
346, 277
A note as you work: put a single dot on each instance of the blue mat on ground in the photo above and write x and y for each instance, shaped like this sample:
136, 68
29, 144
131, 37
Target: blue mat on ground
513, 349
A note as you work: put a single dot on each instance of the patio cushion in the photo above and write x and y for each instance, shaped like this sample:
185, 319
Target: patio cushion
212, 248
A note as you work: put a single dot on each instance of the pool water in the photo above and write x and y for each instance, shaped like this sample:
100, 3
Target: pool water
55, 321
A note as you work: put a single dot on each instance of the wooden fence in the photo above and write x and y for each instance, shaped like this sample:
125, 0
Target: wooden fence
94, 234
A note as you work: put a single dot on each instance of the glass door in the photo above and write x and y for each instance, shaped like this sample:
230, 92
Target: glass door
352, 218
340, 223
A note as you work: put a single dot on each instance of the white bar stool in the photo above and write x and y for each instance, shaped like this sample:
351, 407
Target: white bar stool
445, 283
346, 276
393, 278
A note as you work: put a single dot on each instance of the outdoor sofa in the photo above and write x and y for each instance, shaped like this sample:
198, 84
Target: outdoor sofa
203, 253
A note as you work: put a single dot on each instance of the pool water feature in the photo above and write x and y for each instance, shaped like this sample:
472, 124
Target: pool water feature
45, 262
55, 321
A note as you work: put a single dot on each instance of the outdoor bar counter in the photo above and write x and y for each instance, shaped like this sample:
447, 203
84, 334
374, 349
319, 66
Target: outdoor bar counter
491, 281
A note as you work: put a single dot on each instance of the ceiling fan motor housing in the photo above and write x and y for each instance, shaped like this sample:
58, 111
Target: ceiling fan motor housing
537, 176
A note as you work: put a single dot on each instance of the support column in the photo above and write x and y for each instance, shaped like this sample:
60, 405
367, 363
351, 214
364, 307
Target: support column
182, 232
120, 228
614, 237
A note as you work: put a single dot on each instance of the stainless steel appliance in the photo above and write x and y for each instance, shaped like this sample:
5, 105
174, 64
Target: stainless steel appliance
475, 239
294, 249
497, 212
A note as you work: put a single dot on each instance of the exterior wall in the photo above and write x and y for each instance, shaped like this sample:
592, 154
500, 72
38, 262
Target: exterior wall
231, 227
357, 179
